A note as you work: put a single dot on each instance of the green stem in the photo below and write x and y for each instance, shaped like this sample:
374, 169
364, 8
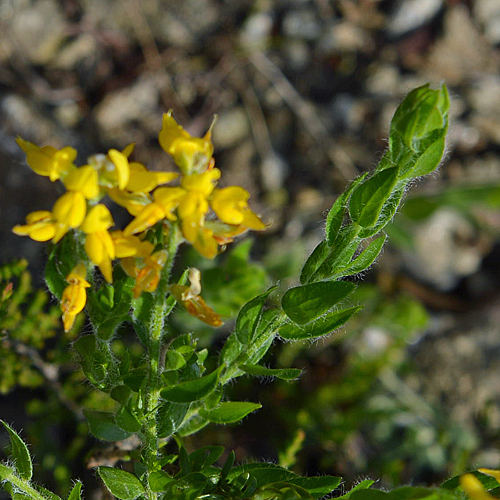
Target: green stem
153, 386
24, 486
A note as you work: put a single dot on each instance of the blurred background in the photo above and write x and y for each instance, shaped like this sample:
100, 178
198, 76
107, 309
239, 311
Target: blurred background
304, 91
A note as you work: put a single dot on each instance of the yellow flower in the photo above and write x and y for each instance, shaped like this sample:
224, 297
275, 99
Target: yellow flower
165, 202
48, 161
83, 180
69, 212
230, 205
98, 243
143, 180
113, 169
133, 202
130, 245
474, 488
74, 296
189, 297
191, 154
145, 271
40, 226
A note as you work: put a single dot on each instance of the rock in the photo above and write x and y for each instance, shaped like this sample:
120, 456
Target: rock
120, 108
256, 30
81, 51
25, 120
411, 14
443, 252
232, 126
38, 29
301, 23
273, 172
384, 80
487, 12
462, 52
344, 36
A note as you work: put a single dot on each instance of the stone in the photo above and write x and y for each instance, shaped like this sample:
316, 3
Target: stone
38, 29
411, 14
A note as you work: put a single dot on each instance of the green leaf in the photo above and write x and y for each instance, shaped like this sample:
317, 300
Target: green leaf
20, 453
430, 158
368, 495
303, 304
336, 214
127, 421
192, 425
422, 111
314, 261
319, 486
340, 254
76, 491
388, 212
135, 379
264, 473
110, 306
62, 259
230, 412
363, 485
365, 259
102, 426
262, 371
121, 393
159, 481
122, 484
248, 317
192, 390
320, 327
49, 495
204, 457
170, 416
488, 482
247, 324
174, 360
369, 197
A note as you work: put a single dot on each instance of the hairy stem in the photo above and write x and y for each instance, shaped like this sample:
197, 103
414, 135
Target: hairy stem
155, 328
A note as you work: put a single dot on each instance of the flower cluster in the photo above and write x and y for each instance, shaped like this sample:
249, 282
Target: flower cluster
190, 204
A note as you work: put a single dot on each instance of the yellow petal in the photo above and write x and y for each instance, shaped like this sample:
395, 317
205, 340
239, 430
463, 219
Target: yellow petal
191, 154
48, 161
130, 246
205, 244
169, 198
72, 302
69, 210
202, 183
78, 276
133, 202
39, 227
230, 205
193, 205
38, 231
120, 162
98, 219
144, 181
148, 217
474, 488
101, 250
128, 149
84, 180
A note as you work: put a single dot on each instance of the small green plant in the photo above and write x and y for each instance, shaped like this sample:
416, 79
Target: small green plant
176, 388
